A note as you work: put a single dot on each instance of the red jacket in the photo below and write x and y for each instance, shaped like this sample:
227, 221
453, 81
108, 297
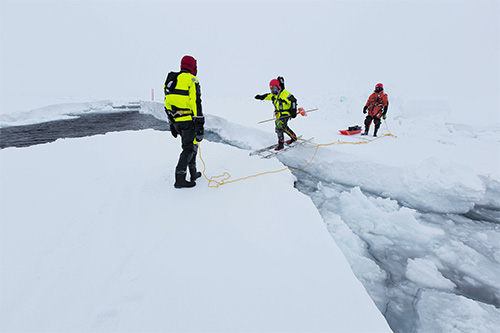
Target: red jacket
376, 103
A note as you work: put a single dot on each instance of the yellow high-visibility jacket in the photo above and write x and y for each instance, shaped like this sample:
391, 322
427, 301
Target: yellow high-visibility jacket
283, 103
182, 96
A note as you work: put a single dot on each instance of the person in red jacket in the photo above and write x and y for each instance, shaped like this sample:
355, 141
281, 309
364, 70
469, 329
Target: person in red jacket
376, 106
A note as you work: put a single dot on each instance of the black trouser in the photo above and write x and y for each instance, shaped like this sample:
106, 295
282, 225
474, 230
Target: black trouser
189, 149
282, 127
368, 121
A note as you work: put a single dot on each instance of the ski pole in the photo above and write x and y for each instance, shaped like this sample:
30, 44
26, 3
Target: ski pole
302, 113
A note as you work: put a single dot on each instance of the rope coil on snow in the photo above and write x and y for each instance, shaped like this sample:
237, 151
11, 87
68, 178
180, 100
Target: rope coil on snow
226, 176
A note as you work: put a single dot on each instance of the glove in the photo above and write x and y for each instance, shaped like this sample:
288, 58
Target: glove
384, 116
173, 131
198, 128
364, 109
261, 97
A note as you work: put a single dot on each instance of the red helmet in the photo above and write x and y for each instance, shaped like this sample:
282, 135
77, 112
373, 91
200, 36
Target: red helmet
189, 63
274, 82
275, 86
379, 87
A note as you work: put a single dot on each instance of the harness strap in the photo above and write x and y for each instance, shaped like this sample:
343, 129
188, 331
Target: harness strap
181, 92
178, 112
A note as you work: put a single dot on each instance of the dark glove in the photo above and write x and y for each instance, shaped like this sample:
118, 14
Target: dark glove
198, 128
384, 116
173, 130
364, 109
261, 97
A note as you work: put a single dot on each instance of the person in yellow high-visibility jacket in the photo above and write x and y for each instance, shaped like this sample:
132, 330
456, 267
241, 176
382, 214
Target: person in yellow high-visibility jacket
183, 107
285, 107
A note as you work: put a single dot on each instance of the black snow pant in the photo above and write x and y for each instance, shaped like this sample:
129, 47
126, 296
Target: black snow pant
187, 157
282, 127
368, 121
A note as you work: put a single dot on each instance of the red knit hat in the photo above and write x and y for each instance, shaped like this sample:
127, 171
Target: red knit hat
189, 63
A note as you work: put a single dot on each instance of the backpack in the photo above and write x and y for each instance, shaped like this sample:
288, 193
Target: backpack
281, 79
170, 82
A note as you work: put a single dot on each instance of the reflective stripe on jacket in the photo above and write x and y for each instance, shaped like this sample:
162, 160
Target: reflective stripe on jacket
184, 100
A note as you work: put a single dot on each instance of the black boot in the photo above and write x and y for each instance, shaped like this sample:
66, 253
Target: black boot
280, 145
293, 138
194, 174
180, 181
365, 132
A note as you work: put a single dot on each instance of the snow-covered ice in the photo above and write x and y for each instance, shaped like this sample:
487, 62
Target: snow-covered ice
414, 215
95, 238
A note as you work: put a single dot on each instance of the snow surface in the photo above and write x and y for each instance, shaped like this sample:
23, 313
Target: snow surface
416, 215
118, 249
95, 238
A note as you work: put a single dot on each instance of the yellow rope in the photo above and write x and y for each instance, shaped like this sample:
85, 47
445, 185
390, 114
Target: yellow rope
225, 176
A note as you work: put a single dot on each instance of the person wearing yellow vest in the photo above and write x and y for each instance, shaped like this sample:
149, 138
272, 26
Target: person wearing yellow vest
183, 107
285, 107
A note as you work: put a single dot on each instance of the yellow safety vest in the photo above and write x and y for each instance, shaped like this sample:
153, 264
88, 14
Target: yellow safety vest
183, 96
281, 103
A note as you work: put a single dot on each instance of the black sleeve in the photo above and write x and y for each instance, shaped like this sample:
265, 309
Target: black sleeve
292, 99
293, 107
198, 99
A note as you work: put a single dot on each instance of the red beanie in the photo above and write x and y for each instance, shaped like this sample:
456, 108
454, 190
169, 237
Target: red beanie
189, 63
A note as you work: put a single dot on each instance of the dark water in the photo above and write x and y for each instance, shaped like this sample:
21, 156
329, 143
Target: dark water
85, 125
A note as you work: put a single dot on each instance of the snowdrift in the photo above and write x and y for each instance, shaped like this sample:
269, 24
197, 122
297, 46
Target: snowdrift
95, 238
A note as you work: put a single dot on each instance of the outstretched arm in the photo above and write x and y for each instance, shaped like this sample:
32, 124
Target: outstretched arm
261, 97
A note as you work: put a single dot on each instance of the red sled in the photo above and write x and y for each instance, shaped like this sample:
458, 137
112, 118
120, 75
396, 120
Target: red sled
351, 130
346, 132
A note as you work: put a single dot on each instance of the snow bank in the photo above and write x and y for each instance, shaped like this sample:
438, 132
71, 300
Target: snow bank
67, 111
403, 255
430, 186
95, 238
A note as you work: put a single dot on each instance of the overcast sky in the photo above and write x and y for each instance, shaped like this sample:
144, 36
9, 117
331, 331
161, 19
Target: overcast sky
65, 51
